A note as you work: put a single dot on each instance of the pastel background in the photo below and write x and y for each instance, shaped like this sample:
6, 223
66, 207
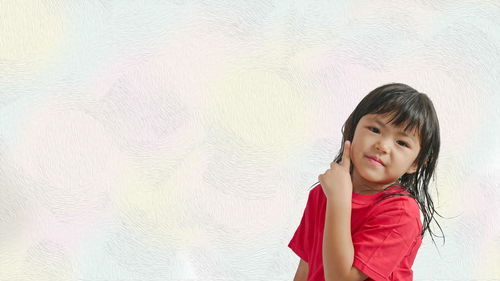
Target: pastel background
177, 140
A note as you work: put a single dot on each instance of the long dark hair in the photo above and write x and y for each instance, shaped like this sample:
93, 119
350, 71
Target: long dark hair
414, 110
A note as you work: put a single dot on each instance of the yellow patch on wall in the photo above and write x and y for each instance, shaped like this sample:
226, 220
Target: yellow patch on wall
261, 108
30, 30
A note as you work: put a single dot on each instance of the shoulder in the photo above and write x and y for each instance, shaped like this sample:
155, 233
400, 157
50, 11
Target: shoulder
316, 196
316, 192
397, 198
403, 203
397, 210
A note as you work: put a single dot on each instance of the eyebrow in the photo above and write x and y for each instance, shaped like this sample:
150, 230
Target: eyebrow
402, 133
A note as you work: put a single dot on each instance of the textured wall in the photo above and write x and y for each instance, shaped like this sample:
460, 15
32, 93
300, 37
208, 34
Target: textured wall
177, 140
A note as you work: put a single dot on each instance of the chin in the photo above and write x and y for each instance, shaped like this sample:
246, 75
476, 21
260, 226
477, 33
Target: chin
376, 179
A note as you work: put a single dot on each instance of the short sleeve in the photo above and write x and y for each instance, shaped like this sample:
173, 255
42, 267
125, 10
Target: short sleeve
303, 237
386, 238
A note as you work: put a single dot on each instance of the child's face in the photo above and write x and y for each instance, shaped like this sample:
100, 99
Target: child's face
374, 139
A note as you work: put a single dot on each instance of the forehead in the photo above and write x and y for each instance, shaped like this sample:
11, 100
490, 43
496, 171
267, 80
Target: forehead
384, 120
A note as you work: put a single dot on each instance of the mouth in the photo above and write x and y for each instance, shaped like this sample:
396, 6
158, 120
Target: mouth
375, 160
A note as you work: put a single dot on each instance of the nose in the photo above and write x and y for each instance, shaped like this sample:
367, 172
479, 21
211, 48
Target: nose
382, 146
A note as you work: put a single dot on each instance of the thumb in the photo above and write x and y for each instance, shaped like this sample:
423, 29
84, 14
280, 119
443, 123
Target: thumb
346, 155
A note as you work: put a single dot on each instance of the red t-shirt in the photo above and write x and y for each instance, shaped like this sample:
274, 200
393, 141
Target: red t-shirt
385, 234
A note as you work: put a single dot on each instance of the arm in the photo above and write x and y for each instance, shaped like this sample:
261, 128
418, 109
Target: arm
338, 250
302, 271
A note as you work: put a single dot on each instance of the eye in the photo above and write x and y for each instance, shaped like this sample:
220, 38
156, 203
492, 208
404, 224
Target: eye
402, 143
373, 129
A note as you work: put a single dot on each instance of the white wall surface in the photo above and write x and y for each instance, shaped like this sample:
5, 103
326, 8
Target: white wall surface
177, 140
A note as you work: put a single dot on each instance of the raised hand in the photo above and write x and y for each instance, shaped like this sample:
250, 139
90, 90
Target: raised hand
337, 180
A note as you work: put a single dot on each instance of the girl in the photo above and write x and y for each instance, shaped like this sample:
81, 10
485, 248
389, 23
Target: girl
362, 222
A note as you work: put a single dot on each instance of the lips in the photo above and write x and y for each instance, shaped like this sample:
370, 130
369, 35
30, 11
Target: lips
376, 159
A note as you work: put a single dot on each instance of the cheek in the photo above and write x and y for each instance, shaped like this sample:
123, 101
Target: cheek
354, 152
356, 145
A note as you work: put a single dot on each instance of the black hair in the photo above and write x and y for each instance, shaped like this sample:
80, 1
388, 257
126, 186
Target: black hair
414, 110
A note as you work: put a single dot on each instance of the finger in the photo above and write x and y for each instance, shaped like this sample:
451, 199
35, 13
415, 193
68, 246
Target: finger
346, 155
